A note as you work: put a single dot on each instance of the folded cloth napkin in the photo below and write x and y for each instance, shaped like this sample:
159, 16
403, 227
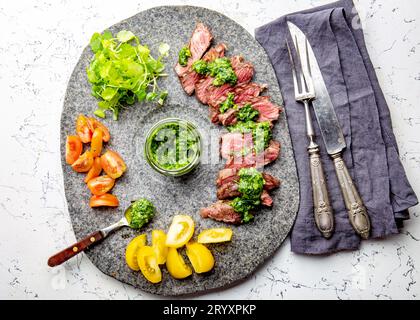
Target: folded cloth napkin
371, 155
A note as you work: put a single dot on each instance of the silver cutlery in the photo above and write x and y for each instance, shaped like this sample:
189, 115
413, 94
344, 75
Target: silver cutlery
332, 135
305, 93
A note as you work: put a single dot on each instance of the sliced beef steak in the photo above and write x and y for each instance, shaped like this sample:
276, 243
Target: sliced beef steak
228, 190
216, 95
270, 181
199, 42
221, 211
246, 91
266, 199
236, 143
228, 187
244, 70
231, 175
190, 78
201, 89
268, 111
252, 160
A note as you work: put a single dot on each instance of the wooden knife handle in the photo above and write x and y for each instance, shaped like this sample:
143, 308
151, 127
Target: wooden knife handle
358, 215
76, 248
323, 212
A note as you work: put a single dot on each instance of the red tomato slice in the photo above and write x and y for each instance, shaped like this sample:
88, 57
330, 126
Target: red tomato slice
95, 170
105, 200
84, 162
113, 164
96, 144
74, 148
100, 185
96, 124
83, 129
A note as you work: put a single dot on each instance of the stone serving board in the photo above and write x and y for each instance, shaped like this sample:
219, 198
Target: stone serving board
252, 243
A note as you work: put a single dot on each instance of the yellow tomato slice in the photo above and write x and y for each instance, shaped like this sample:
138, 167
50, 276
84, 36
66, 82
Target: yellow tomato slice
131, 251
159, 246
180, 231
147, 262
215, 235
200, 257
176, 265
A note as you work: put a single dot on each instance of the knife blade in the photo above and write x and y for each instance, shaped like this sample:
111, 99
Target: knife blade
324, 111
332, 134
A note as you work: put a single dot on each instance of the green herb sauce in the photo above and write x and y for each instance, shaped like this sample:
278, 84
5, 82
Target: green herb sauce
251, 183
220, 69
174, 146
228, 103
247, 113
183, 56
139, 213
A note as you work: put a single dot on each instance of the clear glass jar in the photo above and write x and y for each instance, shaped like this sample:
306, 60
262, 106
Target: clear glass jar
173, 147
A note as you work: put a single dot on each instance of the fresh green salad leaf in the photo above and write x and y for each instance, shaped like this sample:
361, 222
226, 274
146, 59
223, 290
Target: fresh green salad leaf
125, 36
183, 56
122, 71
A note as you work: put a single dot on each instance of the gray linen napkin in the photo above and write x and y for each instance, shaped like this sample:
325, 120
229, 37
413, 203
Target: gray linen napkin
372, 152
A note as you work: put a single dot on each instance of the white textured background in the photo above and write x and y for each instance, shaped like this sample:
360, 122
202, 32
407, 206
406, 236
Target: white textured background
40, 42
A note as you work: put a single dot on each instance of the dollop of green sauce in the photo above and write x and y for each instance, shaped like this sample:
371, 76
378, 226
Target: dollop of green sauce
174, 146
220, 69
139, 213
183, 56
228, 103
251, 183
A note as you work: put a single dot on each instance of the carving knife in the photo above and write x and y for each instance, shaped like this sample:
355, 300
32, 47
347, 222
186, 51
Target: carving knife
333, 137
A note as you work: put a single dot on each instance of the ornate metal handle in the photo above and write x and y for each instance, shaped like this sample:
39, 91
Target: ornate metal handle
358, 215
322, 209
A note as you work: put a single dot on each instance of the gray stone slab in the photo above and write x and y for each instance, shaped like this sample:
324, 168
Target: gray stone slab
252, 243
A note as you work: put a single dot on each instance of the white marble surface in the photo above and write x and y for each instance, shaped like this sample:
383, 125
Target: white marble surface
40, 43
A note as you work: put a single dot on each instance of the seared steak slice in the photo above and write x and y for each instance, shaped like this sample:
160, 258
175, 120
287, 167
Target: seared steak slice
252, 160
266, 199
231, 175
246, 91
188, 81
270, 181
228, 190
221, 211
190, 77
214, 114
201, 89
216, 95
228, 186
236, 143
199, 42
268, 110
227, 175
215, 52
228, 118
244, 70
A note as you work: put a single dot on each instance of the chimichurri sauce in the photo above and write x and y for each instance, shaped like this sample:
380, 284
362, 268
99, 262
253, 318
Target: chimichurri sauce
174, 146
